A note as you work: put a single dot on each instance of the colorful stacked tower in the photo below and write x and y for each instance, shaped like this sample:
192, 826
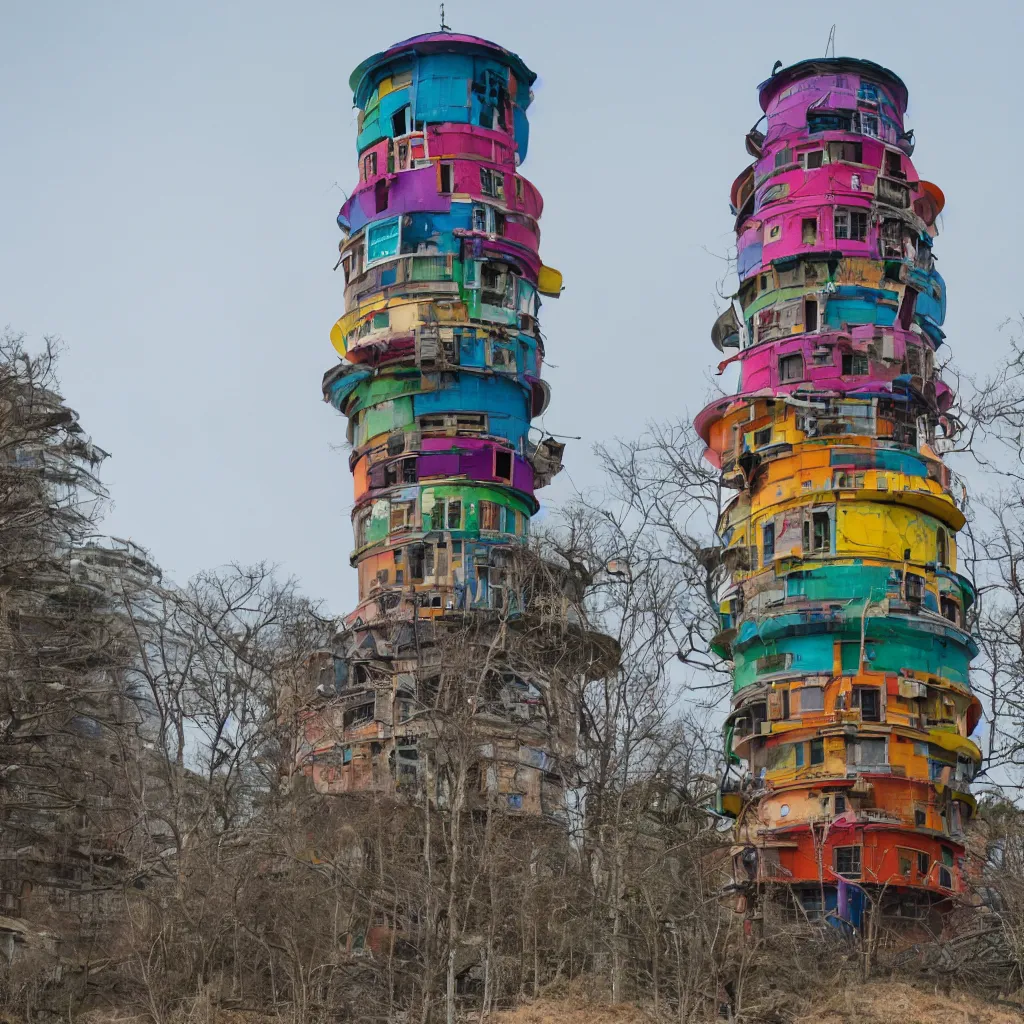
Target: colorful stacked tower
440, 379
844, 614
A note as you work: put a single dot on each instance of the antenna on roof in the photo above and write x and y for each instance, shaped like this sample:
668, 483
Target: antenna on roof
831, 44
444, 27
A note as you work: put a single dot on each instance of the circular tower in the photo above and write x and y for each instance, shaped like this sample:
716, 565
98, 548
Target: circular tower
440, 378
844, 613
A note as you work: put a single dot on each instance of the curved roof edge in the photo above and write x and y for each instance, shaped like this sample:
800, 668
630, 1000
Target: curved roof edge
829, 65
437, 42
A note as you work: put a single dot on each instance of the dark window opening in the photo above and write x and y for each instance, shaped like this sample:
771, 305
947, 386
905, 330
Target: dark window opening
855, 364
810, 315
950, 610
785, 704
840, 802
791, 368
762, 437
818, 533
869, 700
846, 152
907, 308
818, 122
380, 195
446, 178
400, 121
817, 751
924, 864
813, 159
914, 588
454, 516
492, 183
894, 165
503, 465
768, 542
416, 562
919, 817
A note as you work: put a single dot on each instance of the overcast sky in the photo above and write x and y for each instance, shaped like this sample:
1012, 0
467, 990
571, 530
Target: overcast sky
171, 173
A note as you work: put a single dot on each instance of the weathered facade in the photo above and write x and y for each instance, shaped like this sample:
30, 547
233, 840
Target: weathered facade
844, 615
440, 379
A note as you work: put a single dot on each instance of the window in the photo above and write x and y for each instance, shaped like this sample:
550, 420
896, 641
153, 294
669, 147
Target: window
847, 861
490, 515
362, 524
866, 753
817, 751
768, 542
402, 471
453, 514
846, 152
791, 367
519, 190
924, 864
869, 124
894, 165
785, 704
941, 547
502, 357
497, 285
867, 93
492, 183
446, 178
382, 240
503, 465
905, 861
855, 364
920, 818
950, 610
812, 698
851, 224
840, 804
764, 282
811, 901
762, 437
809, 231
772, 663
479, 218
783, 157
914, 587
818, 533
813, 159
402, 515
369, 166
416, 562
811, 325
868, 699
828, 122
400, 121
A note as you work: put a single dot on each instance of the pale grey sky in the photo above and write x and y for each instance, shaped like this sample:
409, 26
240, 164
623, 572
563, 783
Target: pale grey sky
167, 204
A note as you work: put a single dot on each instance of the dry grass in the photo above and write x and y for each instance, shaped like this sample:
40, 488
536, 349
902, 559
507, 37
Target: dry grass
875, 1003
